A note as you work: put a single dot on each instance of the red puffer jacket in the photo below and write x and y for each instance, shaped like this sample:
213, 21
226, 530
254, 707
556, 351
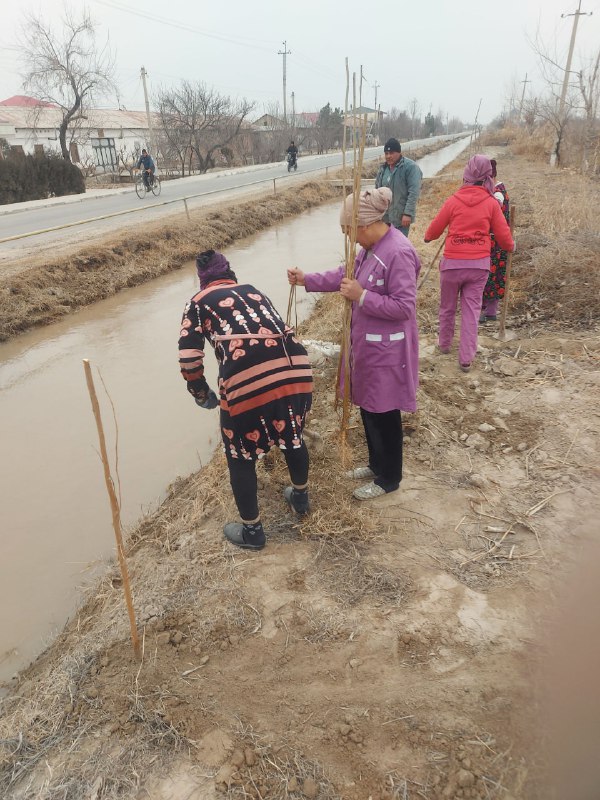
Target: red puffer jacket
470, 214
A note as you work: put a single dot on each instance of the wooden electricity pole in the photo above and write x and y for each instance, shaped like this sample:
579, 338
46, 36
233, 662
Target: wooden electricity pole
565, 86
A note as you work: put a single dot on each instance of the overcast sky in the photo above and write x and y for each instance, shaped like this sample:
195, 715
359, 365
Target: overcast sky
446, 53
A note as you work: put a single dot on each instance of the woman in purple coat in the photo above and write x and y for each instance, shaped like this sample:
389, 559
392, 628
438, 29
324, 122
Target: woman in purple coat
384, 338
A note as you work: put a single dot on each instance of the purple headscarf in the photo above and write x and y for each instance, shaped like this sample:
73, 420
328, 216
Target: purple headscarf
211, 266
479, 171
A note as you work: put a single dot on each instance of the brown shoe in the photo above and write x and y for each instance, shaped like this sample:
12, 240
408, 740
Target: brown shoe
465, 367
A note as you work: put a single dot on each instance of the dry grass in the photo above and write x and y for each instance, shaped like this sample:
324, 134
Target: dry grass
277, 774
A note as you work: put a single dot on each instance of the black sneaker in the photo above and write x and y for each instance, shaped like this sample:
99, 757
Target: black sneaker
297, 499
250, 537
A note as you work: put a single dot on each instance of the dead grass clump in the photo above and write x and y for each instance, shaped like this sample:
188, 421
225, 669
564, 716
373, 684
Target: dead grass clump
560, 283
278, 773
349, 576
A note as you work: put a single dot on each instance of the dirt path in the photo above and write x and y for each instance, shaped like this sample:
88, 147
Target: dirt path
383, 650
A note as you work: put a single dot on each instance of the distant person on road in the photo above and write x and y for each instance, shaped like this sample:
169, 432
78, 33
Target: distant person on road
148, 172
471, 214
403, 176
494, 288
384, 367
292, 153
265, 387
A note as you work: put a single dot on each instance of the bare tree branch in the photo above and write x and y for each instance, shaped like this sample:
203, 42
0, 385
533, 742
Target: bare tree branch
66, 68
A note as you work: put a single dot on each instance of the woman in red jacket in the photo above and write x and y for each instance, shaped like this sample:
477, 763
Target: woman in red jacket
470, 215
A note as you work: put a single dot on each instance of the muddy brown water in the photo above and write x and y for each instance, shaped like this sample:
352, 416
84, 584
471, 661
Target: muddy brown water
56, 534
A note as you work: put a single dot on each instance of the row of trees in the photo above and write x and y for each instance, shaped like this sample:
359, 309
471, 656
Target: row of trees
199, 127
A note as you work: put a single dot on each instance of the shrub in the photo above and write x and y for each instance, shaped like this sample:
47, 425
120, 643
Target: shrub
35, 177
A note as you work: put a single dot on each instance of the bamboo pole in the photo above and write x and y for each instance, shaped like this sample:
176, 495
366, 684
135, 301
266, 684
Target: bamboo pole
358, 165
346, 242
502, 329
116, 515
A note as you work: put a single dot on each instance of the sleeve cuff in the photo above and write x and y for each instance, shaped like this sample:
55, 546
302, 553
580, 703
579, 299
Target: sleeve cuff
362, 297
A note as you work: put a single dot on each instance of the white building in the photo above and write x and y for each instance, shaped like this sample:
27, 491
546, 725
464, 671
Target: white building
104, 139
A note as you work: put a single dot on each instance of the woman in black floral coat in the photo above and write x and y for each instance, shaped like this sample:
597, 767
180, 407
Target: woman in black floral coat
494, 288
265, 386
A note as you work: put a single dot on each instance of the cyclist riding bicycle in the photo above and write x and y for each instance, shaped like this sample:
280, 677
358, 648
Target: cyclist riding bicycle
292, 153
148, 171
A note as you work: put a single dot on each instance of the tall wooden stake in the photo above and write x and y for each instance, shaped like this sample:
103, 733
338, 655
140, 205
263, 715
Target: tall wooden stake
501, 331
116, 515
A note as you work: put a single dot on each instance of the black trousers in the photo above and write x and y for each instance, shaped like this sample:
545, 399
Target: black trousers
242, 475
384, 441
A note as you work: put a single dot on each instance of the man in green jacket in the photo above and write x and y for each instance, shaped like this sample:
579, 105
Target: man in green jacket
403, 176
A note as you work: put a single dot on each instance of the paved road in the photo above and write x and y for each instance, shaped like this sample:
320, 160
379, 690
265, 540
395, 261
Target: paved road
44, 214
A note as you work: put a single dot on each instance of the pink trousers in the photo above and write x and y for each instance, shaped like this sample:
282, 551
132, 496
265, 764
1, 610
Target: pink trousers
468, 284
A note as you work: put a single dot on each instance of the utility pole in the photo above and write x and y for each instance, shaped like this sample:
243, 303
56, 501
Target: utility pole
525, 82
360, 88
565, 86
285, 53
378, 112
148, 117
293, 110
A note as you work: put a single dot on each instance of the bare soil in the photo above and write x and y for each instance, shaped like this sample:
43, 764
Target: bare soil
391, 649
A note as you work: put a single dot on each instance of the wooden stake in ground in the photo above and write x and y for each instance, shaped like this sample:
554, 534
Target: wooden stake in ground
116, 515
501, 331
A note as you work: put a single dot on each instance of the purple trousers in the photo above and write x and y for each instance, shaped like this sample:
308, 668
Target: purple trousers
490, 307
468, 284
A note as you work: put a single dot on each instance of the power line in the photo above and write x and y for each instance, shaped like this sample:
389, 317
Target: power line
240, 41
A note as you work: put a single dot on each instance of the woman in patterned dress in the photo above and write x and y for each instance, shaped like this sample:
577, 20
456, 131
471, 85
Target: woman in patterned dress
494, 288
265, 386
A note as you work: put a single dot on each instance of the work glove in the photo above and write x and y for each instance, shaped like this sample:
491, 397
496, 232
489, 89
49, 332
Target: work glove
210, 401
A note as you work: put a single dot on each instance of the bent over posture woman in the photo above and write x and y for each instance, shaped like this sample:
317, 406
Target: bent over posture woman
384, 359
265, 386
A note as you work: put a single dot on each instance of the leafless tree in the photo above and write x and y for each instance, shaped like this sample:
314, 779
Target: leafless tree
414, 112
550, 107
65, 67
198, 121
589, 89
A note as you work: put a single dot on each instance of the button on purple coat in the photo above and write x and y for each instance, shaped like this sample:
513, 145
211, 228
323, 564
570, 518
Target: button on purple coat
384, 334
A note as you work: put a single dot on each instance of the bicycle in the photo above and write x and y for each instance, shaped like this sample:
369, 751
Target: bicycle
141, 189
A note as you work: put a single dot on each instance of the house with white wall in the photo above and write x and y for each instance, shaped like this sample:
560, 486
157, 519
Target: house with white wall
103, 138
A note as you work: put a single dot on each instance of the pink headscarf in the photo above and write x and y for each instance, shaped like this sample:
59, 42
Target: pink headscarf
479, 170
372, 205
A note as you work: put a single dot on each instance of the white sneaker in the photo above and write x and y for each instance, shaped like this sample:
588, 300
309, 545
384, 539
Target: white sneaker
360, 472
368, 492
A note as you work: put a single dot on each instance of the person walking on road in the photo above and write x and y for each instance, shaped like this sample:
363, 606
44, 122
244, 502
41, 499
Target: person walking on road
384, 366
403, 176
471, 214
265, 387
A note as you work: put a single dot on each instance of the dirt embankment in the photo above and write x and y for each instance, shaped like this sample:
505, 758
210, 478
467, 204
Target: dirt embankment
383, 650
